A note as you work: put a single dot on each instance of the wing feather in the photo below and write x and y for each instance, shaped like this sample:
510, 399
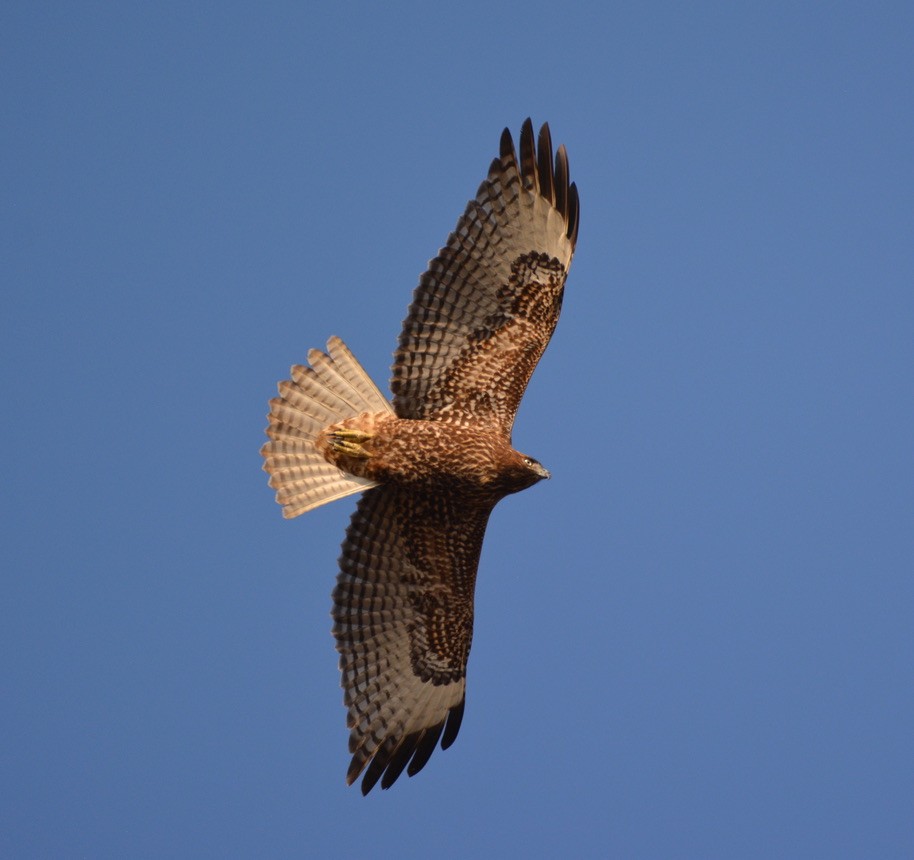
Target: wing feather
403, 618
486, 308
544, 168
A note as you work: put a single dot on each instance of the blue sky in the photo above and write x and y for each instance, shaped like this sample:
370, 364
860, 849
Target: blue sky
696, 640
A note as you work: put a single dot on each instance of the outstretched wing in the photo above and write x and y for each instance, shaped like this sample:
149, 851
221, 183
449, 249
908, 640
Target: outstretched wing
403, 622
488, 304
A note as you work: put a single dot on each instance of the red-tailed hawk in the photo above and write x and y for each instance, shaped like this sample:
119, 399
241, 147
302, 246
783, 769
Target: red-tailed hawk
433, 462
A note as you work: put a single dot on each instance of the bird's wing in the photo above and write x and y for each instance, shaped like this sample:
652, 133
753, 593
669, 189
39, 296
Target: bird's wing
488, 304
403, 622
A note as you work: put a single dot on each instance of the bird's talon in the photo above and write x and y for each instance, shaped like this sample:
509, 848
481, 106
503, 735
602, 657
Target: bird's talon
348, 442
357, 436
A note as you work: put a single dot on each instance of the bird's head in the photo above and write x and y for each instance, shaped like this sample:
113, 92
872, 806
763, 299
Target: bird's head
537, 469
520, 471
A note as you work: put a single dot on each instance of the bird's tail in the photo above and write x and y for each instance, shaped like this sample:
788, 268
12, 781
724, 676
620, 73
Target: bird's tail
333, 388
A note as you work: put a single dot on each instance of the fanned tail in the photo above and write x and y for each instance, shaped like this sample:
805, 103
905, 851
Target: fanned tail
333, 388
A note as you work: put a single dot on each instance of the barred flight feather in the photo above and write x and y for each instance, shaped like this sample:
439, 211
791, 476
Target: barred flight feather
333, 389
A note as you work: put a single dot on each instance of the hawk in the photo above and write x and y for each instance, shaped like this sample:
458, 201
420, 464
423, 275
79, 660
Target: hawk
433, 462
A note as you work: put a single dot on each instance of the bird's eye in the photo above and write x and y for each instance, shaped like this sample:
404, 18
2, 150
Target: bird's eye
528, 461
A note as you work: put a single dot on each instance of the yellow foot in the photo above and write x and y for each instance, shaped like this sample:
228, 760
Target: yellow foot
349, 442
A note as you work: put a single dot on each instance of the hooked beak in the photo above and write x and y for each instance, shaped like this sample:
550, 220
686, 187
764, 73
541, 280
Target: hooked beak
541, 472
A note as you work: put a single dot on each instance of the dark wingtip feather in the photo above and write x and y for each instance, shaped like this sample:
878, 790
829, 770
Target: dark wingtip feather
507, 157
379, 763
561, 182
544, 163
355, 766
506, 146
425, 746
368, 784
454, 718
550, 178
392, 757
539, 172
574, 213
399, 759
528, 169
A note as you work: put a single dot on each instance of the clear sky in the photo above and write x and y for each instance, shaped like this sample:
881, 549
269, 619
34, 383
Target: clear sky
696, 640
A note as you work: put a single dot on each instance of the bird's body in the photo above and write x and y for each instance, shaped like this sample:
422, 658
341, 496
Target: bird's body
428, 456
433, 462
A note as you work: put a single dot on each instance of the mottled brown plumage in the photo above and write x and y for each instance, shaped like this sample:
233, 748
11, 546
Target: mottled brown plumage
433, 463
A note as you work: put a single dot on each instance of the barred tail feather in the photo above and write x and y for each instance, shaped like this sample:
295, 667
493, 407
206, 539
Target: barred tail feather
333, 388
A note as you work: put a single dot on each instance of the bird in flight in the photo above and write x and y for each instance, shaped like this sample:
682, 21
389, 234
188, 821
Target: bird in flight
432, 463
